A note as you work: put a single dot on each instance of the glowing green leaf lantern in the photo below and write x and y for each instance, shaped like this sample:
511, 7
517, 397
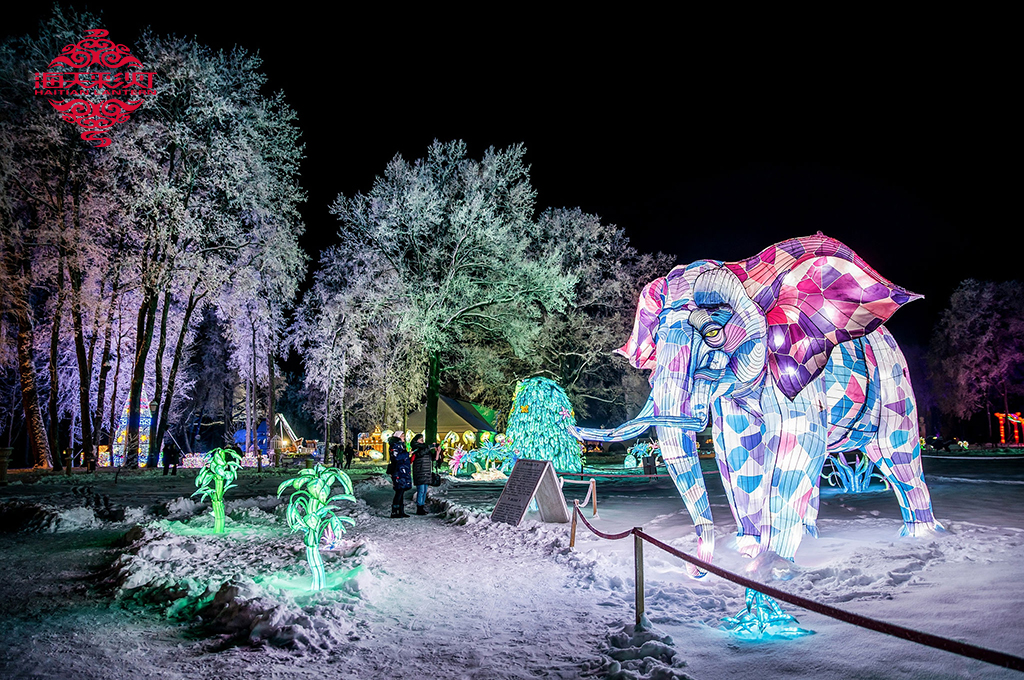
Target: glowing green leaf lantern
216, 477
310, 511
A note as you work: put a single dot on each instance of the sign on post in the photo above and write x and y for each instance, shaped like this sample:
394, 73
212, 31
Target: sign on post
531, 478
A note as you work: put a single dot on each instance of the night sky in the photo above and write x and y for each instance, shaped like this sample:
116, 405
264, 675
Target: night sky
702, 138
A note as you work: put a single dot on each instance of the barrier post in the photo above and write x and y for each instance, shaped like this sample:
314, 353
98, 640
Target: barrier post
593, 492
638, 563
572, 532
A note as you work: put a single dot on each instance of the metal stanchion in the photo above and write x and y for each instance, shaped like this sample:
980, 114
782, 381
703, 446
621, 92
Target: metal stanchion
638, 562
572, 532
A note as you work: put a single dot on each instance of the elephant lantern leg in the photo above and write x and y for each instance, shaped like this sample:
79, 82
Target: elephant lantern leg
896, 448
679, 450
763, 619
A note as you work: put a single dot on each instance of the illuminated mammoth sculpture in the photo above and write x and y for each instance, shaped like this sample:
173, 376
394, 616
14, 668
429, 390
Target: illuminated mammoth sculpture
786, 355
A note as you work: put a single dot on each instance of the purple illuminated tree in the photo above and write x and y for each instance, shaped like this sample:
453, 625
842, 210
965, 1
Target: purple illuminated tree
977, 350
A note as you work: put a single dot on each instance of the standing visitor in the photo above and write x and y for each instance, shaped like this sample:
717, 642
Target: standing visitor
401, 475
350, 453
172, 456
423, 467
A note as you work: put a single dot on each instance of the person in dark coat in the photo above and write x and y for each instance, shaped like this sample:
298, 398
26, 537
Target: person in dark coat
172, 456
422, 468
401, 474
350, 453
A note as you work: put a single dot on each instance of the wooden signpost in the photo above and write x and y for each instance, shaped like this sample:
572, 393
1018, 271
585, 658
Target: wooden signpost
531, 478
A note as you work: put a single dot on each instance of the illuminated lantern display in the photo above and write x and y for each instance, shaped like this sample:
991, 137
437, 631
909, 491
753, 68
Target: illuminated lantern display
486, 436
311, 510
468, 438
785, 354
539, 425
216, 477
145, 418
1017, 423
487, 457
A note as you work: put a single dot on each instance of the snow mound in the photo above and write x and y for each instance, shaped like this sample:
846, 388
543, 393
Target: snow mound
26, 517
249, 586
382, 480
182, 507
489, 475
643, 654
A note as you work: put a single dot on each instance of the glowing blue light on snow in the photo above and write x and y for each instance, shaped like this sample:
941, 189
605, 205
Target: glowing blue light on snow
763, 619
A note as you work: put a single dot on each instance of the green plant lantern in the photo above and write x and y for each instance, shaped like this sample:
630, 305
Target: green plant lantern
216, 477
311, 511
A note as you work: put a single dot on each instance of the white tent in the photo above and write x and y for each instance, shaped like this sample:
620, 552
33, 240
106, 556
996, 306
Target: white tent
454, 416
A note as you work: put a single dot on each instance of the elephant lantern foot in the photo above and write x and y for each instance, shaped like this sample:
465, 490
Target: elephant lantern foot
763, 619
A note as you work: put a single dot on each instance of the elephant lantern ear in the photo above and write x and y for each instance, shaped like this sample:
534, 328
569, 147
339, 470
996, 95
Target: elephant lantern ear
824, 300
640, 348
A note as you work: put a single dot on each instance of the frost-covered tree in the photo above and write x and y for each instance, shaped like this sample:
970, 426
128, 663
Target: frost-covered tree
109, 255
575, 344
46, 179
977, 349
208, 168
455, 243
357, 357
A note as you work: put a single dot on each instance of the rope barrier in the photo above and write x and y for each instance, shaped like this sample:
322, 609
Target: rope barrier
610, 537
591, 490
956, 647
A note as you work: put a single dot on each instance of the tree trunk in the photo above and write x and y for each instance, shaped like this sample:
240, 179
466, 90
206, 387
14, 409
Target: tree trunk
248, 416
153, 458
143, 340
29, 393
341, 402
270, 399
101, 388
433, 392
84, 365
988, 415
255, 421
58, 313
327, 417
179, 348
229, 424
112, 428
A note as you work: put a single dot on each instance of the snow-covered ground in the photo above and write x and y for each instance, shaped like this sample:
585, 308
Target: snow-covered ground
84, 594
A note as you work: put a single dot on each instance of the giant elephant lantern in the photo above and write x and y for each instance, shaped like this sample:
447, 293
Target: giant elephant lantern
786, 355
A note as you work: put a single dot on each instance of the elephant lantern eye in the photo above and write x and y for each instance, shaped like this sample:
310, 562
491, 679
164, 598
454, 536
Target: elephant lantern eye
714, 336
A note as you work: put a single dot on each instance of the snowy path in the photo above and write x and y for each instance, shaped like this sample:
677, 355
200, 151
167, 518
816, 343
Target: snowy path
505, 613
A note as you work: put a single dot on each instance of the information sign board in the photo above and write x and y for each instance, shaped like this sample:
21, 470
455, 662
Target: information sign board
529, 479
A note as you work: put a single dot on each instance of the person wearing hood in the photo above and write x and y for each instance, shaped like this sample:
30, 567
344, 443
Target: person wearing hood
422, 467
401, 474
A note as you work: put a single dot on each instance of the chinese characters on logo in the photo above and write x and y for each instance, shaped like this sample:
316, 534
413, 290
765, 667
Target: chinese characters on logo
90, 84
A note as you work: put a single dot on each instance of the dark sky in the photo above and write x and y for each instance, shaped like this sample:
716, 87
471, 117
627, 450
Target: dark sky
703, 138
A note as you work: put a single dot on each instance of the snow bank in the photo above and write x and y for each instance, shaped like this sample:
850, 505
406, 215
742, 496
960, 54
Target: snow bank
28, 517
247, 586
643, 654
